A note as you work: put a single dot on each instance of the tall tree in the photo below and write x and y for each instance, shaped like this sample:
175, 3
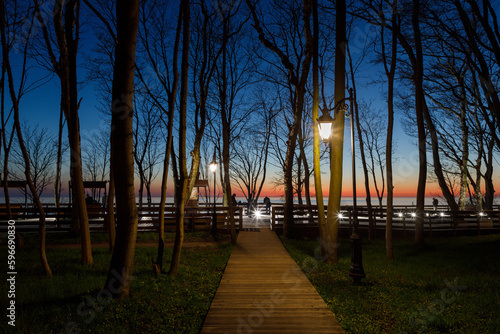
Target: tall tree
356, 117
295, 58
337, 140
227, 13
17, 124
182, 183
121, 266
390, 71
418, 75
325, 248
66, 22
154, 37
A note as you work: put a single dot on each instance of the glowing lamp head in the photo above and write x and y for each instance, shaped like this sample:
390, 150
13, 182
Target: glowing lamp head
325, 127
213, 166
257, 214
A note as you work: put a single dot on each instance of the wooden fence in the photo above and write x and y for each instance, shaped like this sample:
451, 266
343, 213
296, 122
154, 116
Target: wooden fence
59, 219
440, 222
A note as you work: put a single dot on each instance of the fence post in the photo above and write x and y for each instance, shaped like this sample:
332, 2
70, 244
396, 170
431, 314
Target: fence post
404, 224
430, 225
479, 219
240, 217
273, 219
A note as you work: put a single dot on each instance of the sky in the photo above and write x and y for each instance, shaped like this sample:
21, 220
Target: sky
41, 106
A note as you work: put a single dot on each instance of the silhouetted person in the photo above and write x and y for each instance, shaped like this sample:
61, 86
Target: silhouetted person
267, 202
235, 203
88, 199
435, 203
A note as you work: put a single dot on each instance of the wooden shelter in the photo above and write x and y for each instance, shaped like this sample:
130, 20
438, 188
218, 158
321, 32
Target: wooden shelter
22, 184
95, 187
195, 194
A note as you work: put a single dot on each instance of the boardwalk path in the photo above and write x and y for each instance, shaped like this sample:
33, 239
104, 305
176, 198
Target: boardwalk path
264, 291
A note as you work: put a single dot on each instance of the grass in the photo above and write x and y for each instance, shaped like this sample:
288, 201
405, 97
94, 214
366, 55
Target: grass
446, 286
100, 237
71, 300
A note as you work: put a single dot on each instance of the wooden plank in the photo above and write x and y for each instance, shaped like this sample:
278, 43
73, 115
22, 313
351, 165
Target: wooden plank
264, 291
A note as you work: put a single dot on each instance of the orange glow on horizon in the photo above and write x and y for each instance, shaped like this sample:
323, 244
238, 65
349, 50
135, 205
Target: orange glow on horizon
401, 189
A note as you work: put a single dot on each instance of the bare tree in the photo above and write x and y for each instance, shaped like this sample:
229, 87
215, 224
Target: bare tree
372, 126
66, 24
390, 71
41, 148
295, 59
15, 104
96, 149
182, 183
146, 144
122, 261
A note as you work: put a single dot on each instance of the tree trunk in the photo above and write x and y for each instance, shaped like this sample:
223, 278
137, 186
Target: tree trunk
121, 266
390, 72
79, 204
6, 146
181, 191
325, 247
163, 197
337, 142
67, 36
57, 183
226, 126
419, 106
168, 148
438, 169
111, 202
489, 195
479, 192
465, 145
27, 168
355, 110
299, 176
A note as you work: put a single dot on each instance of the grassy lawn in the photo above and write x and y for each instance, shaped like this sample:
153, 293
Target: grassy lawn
99, 237
448, 286
70, 300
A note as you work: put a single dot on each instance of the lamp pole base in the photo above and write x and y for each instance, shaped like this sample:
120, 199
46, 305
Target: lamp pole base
356, 271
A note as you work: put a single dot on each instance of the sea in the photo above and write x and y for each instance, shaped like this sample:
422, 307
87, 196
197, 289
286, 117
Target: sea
347, 200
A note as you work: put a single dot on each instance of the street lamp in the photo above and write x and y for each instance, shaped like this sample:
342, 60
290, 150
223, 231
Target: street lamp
356, 270
213, 169
325, 126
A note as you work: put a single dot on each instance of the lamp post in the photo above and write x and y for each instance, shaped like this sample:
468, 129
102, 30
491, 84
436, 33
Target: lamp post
325, 126
356, 270
213, 169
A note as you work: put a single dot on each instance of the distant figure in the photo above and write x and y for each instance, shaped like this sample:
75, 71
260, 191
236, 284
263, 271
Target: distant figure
235, 203
435, 203
267, 202
88, 199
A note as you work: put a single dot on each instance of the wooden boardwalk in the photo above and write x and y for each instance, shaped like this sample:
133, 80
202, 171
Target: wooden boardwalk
263, 290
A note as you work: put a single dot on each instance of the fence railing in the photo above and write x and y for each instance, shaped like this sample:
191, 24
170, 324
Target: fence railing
59, 219
436, 222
